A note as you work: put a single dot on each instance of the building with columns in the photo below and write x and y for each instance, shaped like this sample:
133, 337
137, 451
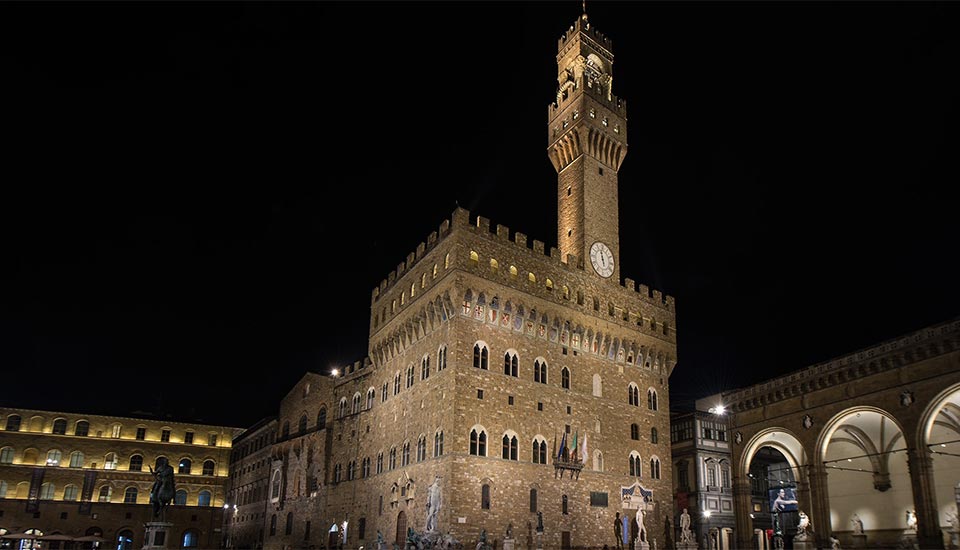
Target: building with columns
872, 436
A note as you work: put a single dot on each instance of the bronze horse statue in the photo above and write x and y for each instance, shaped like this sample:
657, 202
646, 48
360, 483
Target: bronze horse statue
164, 489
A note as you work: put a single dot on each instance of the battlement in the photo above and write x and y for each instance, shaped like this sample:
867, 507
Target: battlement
482, 225
615, 104
582, 24
909, 348
353, 370
434, 238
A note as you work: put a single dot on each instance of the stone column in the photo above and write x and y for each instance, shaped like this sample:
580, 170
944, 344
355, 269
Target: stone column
818, 502
920, 464
743, 509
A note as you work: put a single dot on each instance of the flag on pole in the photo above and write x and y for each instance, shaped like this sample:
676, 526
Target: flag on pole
563, 444
573, 448
583, 450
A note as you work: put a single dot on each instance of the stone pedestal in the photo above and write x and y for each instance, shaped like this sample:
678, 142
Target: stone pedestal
692, 545
859, 541
808, 544
641, 544
539, 540
158, 535
508, 544
909, 539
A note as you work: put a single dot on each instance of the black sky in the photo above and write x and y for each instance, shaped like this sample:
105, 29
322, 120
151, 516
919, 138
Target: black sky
199, 198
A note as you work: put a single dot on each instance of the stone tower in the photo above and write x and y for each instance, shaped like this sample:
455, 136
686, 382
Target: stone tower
507, 381
587, 141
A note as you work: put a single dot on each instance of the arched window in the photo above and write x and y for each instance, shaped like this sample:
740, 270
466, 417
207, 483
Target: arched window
425, 367
130, 495
509, 451
532, 278
539, 450
13, 423
485, 497
635, 464
633, 395
441, 358
136, 463
654, 436
563, 505
125, 540
652, 399
60, 426
410, 376
634, 432
105, 493
76, 459
533, 501
365, 468
275, 486
203, 499
302, 425
511, 363
549, 284
208, 467
438, 444
380, 462
396, 384
351, 470
355, 408
478, 442
474, 258
540, 371
286, 430
82, 428
393, 457
342, 408
422, 448
405, 459
481, 356
53, 457
3, 489
6, 455
47, 490
494, 265
565, 378
180, 498
513, 272
371, 397
322, 418
288, 529
654, 468
273, 525
384, 392
69, 493
185, 465
191, 538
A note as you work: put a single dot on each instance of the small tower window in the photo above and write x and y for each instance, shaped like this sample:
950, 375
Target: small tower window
494, 265
531, 277
549, 284
593, 113
513, 271
474, 258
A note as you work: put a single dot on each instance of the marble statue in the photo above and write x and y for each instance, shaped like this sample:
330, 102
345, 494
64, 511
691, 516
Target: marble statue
686, 535
857, 524
433, 505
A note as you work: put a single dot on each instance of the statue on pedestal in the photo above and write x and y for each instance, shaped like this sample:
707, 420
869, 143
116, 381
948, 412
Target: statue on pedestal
686, 535
433, 505
163, 489
857, 524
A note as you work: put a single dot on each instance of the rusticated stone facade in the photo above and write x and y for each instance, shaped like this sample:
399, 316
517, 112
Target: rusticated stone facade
488, 356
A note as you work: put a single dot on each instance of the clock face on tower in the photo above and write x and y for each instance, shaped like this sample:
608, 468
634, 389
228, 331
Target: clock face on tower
602, 259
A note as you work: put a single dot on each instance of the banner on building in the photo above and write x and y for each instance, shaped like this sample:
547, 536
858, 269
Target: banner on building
33, 497
86, 494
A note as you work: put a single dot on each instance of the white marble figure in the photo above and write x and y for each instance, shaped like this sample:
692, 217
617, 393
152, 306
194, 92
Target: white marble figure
911, 520
857, 524
802, 526
686, 536
433, 505
834, 543
641, 530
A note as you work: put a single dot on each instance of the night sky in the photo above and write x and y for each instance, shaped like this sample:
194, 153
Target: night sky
198, 199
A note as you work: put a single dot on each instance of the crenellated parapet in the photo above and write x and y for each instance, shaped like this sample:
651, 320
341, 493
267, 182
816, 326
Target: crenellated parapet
586, 31
892, 354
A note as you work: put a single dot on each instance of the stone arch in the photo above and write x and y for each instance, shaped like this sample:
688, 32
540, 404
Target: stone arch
780, 439
939, 432
853, 443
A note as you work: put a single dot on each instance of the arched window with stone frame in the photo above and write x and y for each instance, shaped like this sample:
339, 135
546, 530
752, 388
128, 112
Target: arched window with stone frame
540, 370
511, 363
509, 450
438, 443
481, 355
302, 425
539, 455
654, 467
633, 394
424, 367
371, 397
652, 400
421, 448
635, 432
565, 378
441, 358
478, 441
356, 403
636, 464
342, 408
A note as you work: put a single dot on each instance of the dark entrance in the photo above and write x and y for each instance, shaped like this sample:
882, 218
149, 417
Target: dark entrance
565, 540
402, 529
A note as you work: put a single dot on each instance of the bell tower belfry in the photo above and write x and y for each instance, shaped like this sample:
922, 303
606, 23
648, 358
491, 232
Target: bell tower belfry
587, 141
